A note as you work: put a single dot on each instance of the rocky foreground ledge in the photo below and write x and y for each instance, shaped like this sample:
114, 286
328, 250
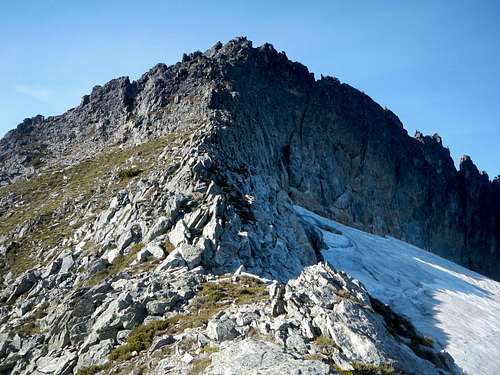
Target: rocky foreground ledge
138, 277
177, 320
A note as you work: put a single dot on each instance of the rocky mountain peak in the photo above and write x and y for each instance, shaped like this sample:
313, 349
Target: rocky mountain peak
468, 166
426, 139
159, 217
283, 114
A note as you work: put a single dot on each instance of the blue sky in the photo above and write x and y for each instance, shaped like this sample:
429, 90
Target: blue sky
436, 64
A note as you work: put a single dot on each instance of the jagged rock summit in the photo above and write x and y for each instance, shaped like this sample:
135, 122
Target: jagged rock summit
325, 144
123, 219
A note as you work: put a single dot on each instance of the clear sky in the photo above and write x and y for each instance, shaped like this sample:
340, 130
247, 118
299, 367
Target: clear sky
436, 64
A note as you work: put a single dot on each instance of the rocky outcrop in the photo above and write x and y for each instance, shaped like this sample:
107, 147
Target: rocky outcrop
325, 144
327, 323
121, 112
335, 151
130, 207
249, 356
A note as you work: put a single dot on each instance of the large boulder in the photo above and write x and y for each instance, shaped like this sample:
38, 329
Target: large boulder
150, 250
57, 365
24, 283
222, 328
173, 260
96, 354
191, 255
252, 357
161, 226
123, 312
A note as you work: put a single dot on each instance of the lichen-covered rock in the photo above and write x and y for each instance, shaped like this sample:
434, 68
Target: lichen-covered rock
222, 328
250, 356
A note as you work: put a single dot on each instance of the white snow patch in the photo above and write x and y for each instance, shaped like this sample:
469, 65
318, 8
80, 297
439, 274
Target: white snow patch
458, 308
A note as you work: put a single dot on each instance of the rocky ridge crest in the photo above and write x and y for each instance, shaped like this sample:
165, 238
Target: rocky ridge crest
325, 144
160, 186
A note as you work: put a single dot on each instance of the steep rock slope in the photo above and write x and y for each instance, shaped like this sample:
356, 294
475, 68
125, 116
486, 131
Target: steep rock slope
337, 152
129, 287
121, 217
457, 308
327, 145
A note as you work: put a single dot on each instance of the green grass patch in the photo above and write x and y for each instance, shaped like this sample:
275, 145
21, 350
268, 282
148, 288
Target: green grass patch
169, 246
213, 298
125, 174
31, 326
147, 266
247, 290
199, 365
327, 347
18, 259
92, 370
28, 328
216, 296
314, 357
366, 369
44, 196
139, 339
325, 343
209, 349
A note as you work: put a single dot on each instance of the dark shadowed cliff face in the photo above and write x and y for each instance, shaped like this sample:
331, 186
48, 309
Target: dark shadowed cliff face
337, 152
330, 147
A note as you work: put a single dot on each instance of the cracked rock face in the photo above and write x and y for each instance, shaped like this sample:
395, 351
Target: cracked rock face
274, 127
248, 355
169, 183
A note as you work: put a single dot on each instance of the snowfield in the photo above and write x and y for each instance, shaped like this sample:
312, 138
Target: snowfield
458, 308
